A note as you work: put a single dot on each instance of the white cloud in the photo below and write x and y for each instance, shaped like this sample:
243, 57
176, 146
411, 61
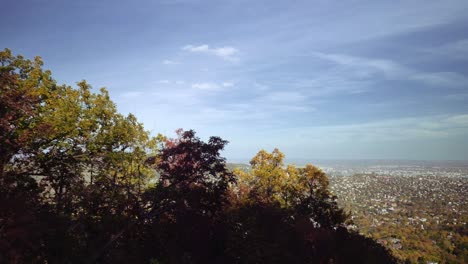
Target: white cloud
170, 62
212, 86
206, 86
176, 82
227, 84
226, 53
201, 48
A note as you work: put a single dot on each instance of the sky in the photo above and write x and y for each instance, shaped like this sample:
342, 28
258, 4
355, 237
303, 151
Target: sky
316, 79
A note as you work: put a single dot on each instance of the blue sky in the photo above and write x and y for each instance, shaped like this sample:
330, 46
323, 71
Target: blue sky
317, 79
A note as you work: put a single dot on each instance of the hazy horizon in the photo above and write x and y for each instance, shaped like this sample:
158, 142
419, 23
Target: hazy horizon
337, 80
302, 161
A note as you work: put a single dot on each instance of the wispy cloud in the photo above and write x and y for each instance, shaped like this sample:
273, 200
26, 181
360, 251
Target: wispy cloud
207, 86
457, 50
460, 47
170, 62
227, 53
171, 82
463, 96
390, 130
442, 79
461, 120
227, 84
261, 87
400, 138
283, 97
368, 68
212, 86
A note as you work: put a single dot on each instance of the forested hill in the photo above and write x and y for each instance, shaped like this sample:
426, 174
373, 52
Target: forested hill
81, 183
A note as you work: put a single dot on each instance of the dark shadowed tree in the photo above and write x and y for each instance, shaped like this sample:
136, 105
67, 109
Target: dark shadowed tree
189, 199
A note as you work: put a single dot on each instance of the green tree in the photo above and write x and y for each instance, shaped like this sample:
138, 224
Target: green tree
305, 189
71, 157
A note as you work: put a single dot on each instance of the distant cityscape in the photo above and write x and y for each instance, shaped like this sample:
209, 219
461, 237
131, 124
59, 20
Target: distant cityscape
418, 209
384, 167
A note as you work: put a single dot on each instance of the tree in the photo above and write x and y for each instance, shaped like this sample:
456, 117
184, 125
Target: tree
22, 86
285, 214
189, 199
304, 189
70, 157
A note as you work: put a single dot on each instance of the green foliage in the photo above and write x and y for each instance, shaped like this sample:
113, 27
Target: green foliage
68, 156
303, 189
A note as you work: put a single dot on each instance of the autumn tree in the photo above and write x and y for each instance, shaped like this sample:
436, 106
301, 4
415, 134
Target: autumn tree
305, 189
22, 86
189, 199
285, 214
70, 157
